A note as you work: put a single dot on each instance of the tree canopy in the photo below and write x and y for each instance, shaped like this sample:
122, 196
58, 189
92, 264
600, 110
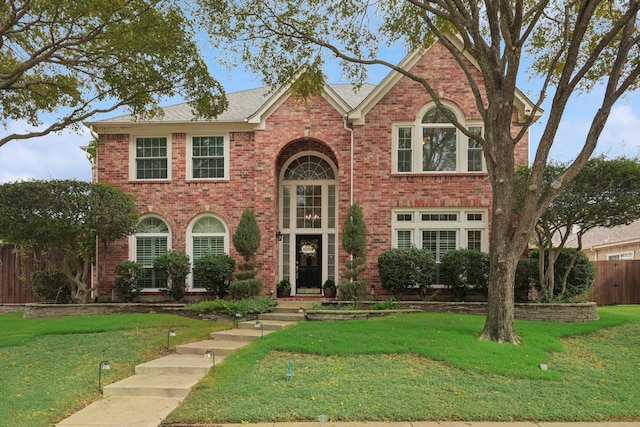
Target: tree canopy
67, 217
605, 193
73, 59
573, 46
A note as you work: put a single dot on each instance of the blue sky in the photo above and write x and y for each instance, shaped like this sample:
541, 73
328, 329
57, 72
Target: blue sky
58, 156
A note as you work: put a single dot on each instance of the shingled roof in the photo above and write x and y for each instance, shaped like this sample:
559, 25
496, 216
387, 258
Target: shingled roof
600, 236
242, 105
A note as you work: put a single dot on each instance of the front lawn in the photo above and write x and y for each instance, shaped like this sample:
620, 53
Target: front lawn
49, 367
428, 367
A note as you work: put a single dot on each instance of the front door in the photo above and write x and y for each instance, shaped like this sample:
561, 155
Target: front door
308, 264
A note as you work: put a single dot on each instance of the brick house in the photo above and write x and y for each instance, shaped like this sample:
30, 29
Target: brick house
299, 166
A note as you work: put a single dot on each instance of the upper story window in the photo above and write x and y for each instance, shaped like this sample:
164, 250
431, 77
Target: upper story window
209, 157
433, 144
151, 158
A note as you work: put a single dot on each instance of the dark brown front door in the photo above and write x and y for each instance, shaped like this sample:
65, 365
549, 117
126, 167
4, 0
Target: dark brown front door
308, 264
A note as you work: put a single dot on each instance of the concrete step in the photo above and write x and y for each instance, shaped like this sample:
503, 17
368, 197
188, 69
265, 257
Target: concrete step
178, 364
288, 309
219, 347
287, 317
242, 335
174, 386
268, 325
123, 411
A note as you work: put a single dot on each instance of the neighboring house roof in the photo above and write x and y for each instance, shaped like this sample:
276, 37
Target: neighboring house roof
600, 237
245, 104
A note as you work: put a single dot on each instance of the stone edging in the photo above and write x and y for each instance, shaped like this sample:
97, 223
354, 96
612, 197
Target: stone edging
575, 312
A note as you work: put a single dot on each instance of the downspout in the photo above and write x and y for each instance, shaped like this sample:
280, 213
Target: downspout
346, 127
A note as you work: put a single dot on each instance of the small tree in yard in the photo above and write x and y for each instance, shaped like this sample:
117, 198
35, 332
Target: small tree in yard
246, 240
354, 243
70, 218
173, 267
401, 269
605, 193
214, 272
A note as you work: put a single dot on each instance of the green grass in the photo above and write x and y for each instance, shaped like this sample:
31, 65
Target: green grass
49, 367
428, 367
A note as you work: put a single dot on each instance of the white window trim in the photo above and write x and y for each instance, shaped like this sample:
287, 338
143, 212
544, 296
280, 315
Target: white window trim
190, 245
133, 243
620, 256
189, 157
460, 226
462, 142
132, 158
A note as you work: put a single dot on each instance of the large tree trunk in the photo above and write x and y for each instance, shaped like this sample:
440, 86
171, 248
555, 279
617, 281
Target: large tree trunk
503, 263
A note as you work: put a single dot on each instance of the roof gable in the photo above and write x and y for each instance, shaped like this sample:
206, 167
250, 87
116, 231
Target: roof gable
358, 114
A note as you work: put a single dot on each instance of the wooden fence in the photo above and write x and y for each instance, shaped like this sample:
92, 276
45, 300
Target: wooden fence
617, 282
12, 267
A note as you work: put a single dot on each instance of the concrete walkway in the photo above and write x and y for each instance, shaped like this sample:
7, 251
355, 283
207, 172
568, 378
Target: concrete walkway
157, 388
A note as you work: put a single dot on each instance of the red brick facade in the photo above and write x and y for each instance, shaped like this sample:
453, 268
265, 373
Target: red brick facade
257, 154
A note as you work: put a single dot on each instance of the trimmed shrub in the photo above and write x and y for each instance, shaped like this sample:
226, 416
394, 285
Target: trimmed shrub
353, 291
401, 269
51, 286
463, 270
246, 240
174, 268
248, 288
354, 242
128, 284
214, 272
245, 306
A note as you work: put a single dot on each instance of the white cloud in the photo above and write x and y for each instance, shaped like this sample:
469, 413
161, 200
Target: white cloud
55, 156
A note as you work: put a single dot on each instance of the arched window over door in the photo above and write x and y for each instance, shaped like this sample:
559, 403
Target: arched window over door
308, 200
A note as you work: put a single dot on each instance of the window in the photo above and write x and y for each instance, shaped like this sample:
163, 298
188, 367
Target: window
151, 240
151, 159
439, 142
208, 236
209, 157
437, 145
441, 231
622, 256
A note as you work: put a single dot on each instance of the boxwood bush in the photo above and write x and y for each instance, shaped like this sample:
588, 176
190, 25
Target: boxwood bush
214, 272
463, 270
401, 269
128, 284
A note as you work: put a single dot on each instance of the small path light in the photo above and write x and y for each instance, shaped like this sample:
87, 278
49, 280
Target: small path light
289, 370
210, 355
104, 365
170, 333
261, 327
